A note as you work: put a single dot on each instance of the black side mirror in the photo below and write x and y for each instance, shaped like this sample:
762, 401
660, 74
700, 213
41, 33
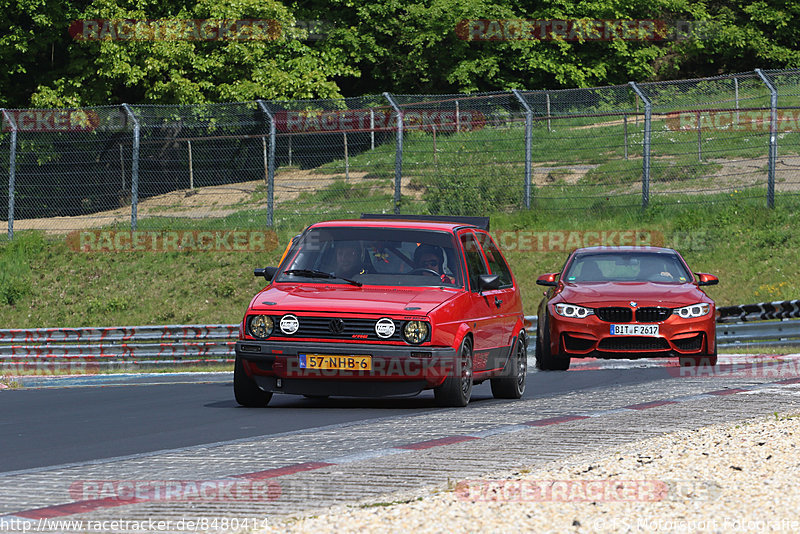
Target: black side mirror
267, 272
489, 281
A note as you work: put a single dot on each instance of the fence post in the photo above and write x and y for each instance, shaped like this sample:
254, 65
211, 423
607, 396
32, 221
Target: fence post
398, 157
12, 172
528, 140
134, 166
270, 162
773, 137
646, 144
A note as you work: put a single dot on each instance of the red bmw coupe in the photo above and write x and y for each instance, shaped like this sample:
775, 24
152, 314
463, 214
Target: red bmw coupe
625, 302
379, 307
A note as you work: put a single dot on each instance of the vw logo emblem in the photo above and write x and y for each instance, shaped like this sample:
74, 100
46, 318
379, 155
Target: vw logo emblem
336, 326
633, 304
289, 324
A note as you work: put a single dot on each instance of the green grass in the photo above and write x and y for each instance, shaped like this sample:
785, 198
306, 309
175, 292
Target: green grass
47, 284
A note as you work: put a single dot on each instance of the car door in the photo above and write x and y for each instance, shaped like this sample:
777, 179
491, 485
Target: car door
481, 314
505, 299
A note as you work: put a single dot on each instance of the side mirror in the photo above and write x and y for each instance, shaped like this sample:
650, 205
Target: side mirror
267, 272
489, 281
704, 279
548, 279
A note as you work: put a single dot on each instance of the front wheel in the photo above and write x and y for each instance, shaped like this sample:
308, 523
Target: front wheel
512, 384
706, 360
456, 389
545, 359
245, 390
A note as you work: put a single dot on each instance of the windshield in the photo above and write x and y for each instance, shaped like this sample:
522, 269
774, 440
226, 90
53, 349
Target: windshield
627, 267
373, 256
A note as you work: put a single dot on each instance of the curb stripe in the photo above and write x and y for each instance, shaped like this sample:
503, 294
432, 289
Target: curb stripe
282, 471
652, 404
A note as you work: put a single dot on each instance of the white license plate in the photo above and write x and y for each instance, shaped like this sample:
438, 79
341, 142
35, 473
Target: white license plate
634, 330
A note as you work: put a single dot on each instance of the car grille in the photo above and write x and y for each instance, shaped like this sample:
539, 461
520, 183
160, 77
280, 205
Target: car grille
633, 343
337, 328
652, 315
577, 343
689, 343
614, 314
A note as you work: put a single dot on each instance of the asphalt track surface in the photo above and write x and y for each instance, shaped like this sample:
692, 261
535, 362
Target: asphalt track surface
93, 419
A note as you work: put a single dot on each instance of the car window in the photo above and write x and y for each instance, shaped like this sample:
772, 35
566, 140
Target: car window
475, 263
497, 264
627, 267
376, 256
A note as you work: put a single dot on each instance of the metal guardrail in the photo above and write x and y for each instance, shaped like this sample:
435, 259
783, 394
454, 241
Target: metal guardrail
53, 350
82, 349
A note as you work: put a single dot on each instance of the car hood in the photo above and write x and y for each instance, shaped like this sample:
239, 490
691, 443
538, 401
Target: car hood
596, 294
351, 299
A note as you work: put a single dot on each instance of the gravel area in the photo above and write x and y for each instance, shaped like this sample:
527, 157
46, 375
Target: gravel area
734, 477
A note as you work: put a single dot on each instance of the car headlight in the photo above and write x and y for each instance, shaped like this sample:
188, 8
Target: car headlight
694, 310
261, 326
415, 332
571, 310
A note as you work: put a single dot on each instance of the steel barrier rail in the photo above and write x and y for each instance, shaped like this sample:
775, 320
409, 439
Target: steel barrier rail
90, 349
781, 309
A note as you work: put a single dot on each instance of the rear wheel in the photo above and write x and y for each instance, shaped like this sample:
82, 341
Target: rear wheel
545, 359
512, 384
457, 387
245, 390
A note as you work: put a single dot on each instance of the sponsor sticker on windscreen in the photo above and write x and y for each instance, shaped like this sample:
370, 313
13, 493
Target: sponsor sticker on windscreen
634, 330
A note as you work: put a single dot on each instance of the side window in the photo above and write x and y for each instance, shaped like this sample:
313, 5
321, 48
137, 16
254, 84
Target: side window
496, 262
475, 265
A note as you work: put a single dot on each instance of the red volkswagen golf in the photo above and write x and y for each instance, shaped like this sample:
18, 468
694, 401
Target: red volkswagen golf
625, 302
380, 307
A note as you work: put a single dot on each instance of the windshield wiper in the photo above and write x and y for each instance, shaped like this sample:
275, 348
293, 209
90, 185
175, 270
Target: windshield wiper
311, 273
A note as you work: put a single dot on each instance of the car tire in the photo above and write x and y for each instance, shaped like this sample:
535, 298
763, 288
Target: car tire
456, 389
545, 359
245, 390
706, 360
512, 384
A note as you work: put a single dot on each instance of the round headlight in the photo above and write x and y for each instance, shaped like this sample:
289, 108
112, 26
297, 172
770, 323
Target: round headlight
415, 332
261, 326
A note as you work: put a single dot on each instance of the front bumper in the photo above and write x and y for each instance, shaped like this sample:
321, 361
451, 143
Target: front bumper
591, 337
396, 369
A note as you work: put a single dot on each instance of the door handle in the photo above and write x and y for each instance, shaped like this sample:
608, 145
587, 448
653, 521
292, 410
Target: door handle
497, 302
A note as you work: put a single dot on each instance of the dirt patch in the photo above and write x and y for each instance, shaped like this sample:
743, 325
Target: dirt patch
203, 202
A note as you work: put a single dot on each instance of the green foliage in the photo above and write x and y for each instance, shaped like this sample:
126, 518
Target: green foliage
371, 47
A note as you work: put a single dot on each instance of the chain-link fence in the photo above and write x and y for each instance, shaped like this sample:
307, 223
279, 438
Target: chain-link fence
266, 163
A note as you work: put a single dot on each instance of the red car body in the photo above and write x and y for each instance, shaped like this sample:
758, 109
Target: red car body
390, 329
604, 305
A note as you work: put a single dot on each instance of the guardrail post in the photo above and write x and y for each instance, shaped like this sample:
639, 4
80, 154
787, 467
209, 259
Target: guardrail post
528, 140
398, 158
773, 137
270, 162
12, 173
134, 166
648, 108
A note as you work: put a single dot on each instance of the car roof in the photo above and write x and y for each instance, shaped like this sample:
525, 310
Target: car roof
625, 248
395, 223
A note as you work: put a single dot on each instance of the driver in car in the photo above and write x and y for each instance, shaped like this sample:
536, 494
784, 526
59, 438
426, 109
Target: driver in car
429, 259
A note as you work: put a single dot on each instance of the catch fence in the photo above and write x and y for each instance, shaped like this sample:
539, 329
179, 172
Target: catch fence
264, 163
